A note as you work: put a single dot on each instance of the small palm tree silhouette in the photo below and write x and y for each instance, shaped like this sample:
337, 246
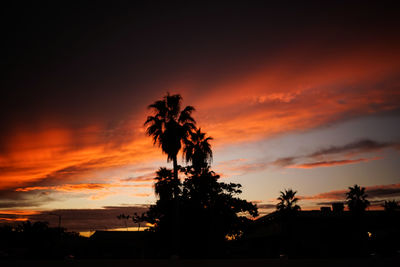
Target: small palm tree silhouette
356, 199
125, 218
165, 185
198, 150
287, 201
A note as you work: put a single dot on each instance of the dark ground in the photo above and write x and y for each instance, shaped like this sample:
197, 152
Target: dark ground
364, 262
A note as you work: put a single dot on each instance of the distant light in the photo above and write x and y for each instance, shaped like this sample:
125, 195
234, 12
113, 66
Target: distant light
369, 234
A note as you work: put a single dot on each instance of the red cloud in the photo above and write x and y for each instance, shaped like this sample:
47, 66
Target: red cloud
286, 94
74, 187
330, 163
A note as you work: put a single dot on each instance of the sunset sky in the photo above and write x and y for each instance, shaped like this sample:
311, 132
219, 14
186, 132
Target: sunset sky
296, 95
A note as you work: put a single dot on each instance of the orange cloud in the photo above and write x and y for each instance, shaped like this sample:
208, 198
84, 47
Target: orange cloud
13, 219
101, 195
20, 212
300, 89
67, 155
141, 195
291, 95
75, 187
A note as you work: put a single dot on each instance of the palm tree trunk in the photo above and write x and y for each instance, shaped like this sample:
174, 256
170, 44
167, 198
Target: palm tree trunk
175, 168
175, 233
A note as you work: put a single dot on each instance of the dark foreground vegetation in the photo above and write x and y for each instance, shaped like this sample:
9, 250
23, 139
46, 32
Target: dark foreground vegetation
198, 217
370, 262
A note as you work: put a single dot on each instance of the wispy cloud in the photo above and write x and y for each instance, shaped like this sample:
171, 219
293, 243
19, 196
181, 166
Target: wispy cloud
335, 155
377, 191
330, 163
324, 157
73, 187
142, 178
357, 147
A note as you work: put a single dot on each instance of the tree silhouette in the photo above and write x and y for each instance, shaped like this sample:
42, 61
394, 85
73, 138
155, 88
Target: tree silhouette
198, 151
209, 210
170, 126
287, 201
166, 186
212, 211
356, 199
136, 218
391, 205
125, 218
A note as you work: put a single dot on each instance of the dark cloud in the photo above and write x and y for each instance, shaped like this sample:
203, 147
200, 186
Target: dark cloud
308, 161
78, 69
13, 199
354, 148
141, 178
384, 192
90, 219
329, 163
328, 203
266, 206
361, 146
284, 162
374, 192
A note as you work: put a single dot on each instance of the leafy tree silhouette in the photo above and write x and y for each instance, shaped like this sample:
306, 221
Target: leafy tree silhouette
356, 199
287, 201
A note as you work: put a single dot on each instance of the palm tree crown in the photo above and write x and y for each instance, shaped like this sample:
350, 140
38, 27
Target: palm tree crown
198, 150
287, 201
170, 126
165, 187
356, 199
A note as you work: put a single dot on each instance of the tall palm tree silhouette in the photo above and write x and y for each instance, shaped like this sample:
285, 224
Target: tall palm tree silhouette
287, 201
170, 126
198, 150
356, 199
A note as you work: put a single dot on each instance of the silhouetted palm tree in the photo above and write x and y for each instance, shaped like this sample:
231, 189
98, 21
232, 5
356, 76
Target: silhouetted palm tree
138, 219
287, 201
356, 199
165, 185
170, 126
198, 150
125, 218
